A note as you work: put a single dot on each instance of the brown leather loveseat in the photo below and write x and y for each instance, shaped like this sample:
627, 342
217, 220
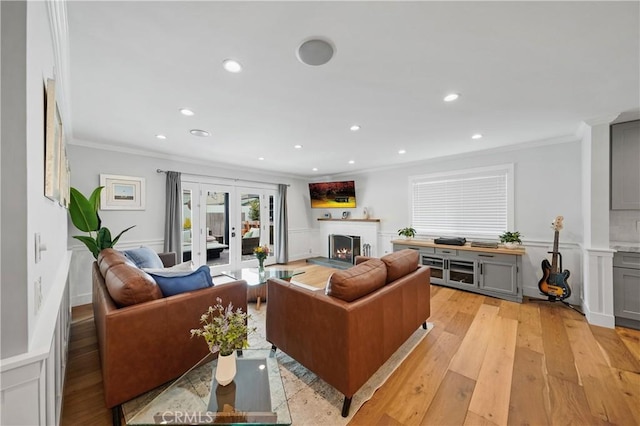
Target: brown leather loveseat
367, 313
148, 343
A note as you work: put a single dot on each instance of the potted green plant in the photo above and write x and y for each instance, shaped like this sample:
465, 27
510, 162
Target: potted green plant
408, 232
225, 330
84, 216
511, 239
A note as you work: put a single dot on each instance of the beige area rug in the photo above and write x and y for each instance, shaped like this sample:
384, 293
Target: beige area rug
311, 400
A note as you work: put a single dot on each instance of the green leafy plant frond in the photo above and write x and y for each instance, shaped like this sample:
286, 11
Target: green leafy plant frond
84, 216
224, 329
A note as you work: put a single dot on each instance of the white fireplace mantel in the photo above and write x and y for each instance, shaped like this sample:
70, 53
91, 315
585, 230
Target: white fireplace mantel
366, 229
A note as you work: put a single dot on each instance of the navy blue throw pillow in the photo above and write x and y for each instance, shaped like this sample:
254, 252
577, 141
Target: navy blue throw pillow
177, 283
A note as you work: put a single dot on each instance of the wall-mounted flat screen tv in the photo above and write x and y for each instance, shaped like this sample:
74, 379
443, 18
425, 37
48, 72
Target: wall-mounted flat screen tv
338, 195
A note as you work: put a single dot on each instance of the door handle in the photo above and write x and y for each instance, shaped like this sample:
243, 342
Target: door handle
233, 234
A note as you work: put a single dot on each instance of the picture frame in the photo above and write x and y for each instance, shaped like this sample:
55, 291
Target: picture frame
53, 144
122, 192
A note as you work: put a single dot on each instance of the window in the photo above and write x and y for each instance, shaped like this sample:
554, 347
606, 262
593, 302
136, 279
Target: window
465, 203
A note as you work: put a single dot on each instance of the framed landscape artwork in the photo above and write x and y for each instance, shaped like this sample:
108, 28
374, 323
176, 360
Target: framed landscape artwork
122, 192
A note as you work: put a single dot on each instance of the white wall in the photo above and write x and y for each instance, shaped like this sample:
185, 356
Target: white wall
547, 184
88, 162
27, 168
34, 323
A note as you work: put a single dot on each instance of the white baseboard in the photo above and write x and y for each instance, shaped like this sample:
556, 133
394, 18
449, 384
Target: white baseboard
81, 299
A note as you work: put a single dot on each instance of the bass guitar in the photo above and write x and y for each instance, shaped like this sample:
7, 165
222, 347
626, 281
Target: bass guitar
554, 283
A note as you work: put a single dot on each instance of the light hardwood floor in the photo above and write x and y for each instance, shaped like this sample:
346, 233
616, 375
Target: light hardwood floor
486, 362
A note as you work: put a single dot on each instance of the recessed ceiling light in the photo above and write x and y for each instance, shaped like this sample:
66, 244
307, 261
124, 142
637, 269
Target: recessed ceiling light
351, 162
198, 132
161, 136
354, 128
261, 158
402, 151
231, 65
451, 97
476, 136
315, 169
297, 146
187, 112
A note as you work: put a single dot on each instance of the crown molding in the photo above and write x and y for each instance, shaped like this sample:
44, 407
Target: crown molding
500, 149
232, 168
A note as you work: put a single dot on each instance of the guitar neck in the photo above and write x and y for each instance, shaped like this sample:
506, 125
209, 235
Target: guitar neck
554, 255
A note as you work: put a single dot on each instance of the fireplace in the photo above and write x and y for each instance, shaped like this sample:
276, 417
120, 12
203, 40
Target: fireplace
344, 247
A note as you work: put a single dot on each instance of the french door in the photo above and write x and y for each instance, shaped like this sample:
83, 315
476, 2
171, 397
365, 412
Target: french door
223, 224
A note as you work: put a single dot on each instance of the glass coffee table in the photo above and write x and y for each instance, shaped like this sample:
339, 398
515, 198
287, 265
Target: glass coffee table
257, 280
256, 395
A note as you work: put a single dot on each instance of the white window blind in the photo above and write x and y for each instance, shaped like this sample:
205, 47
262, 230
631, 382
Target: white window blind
463, 203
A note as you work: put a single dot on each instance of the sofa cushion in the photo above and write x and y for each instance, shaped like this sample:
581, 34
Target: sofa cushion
144, 257
179, 269
176, 282
129, 285
357, 281
110, 257
400, 263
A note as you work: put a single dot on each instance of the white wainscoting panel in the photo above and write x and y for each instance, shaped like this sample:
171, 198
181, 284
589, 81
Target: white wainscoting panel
31, 384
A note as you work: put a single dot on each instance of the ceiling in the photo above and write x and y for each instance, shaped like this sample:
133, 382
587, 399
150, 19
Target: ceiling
526, 72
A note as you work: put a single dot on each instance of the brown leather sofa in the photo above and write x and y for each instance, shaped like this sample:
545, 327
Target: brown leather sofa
344, 336
148, 343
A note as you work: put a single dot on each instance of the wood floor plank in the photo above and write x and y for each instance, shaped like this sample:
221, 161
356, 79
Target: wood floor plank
604, 397
631, 339
558, 355
509, 309
408, 393
491, 395
568, 404
459, 324
528, 403
629, 383
472, 419
469, 358
449, 406
529, 328
616, 352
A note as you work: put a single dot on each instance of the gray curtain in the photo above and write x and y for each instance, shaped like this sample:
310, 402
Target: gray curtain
282, 237
173, 215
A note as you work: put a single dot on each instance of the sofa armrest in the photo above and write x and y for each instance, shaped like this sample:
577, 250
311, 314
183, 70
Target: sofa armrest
148, 344
168, 259
361, 259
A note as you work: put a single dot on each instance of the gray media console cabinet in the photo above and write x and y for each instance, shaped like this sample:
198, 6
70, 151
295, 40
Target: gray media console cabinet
493, 272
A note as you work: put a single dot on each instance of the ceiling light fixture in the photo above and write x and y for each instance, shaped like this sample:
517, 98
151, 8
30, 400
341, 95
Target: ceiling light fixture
315, 51
476, 136
198, 132
351, 162
451, 97
232, 65
354, 128
161, 137
315, 169
298, 146
261, 158
402, 151
187, 112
